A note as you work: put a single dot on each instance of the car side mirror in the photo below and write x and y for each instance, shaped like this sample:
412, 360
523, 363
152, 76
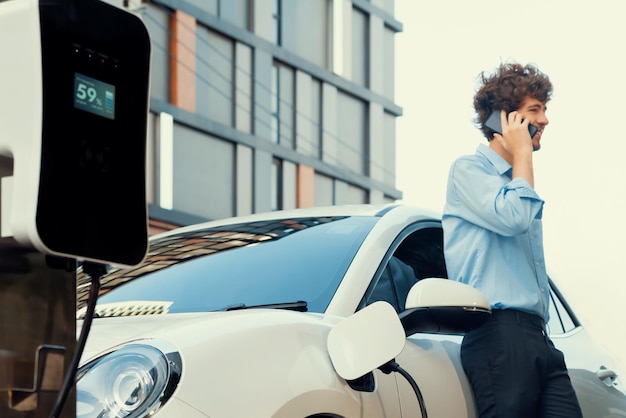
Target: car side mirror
436, 305
366, 340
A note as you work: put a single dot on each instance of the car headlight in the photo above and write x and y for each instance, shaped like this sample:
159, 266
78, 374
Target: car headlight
131, 381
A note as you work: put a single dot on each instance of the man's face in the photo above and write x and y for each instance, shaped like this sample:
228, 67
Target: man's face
535, 111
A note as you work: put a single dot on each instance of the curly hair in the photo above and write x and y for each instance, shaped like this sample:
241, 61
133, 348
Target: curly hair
506, 89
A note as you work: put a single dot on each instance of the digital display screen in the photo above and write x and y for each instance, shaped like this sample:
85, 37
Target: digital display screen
94, 96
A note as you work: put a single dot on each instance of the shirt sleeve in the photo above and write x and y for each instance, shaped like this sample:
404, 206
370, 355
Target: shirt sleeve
490, 200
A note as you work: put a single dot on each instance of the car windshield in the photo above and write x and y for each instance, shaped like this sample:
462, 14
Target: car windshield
246, 264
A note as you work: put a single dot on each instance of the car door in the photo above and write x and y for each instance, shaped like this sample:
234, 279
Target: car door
592, 371
432, 360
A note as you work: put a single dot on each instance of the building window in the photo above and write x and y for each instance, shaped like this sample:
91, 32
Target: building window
352, 139
283, 105
349, 194
275, 122
331, 191
203, 174
210, 6
316, 119
389, 157
215, 76
236, 12
309, 116
360, 48
243, 87
389, 68
296, 34
324, 190
157, 23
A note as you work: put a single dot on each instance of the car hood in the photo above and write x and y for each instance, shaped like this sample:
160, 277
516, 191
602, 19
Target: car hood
277, 358
188, 329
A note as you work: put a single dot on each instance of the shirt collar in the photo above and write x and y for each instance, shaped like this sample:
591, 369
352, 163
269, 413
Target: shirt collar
494, 158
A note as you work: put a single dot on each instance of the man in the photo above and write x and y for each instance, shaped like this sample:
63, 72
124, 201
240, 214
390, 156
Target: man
493, 242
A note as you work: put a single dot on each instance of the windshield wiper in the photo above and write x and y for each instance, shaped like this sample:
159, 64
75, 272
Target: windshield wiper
299, 306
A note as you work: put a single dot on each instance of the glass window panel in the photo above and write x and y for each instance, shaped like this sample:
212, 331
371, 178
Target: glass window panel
360, 48
244, 180
243, 83
348, 194
286, 106
389, 64
236, 12
298, 17
157, 24
389, 160
210, 6
289, 185
274, 103
215, 76
352, 133
204, 173
264, 19
316, 118
323, 190
283, 105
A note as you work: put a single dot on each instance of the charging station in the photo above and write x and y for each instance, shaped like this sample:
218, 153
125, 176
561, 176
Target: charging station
73, 121
74, 117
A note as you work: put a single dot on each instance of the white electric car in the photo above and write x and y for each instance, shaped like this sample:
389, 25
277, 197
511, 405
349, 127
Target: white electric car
292, 314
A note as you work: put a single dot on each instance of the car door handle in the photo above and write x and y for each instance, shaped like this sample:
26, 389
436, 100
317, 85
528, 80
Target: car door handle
607, 376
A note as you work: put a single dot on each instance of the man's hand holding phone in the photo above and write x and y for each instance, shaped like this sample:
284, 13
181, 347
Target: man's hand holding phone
514, 138
516, 133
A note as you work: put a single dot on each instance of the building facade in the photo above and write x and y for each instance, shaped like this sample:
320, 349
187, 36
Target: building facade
260, 105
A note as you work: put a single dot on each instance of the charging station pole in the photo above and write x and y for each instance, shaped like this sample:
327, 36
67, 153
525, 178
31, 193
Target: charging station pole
37, 331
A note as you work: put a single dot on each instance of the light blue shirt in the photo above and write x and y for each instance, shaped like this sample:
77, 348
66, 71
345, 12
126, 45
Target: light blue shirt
493, 237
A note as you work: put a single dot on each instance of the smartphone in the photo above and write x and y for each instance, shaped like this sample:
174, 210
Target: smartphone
493, 123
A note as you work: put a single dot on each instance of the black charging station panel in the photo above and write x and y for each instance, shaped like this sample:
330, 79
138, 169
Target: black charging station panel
92, 197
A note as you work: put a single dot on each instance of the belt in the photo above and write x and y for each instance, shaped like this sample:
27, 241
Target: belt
520, 317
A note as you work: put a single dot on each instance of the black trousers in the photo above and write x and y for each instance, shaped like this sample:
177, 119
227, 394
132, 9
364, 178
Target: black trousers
515, 370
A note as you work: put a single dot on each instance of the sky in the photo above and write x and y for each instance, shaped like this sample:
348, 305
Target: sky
579, 171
